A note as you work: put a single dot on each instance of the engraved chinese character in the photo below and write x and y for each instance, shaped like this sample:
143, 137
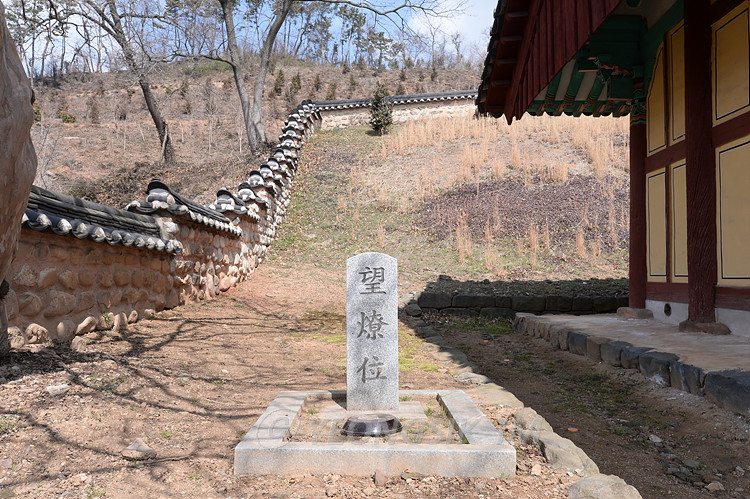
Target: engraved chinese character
373, 279
374, 369
371, 325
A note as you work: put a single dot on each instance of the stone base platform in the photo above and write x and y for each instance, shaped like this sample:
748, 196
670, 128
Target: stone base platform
481, 452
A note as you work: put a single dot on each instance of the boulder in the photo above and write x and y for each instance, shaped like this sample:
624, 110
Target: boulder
610, 352
412, 310
18, 158
469, 301
655, 366
602, 487
434, 300
534, 304
577, 342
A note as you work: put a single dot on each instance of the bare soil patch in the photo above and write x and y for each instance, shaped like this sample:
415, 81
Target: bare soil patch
616, 413
509, 208
190, 382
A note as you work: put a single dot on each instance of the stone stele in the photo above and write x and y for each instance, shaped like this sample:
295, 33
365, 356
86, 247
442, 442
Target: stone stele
371, 332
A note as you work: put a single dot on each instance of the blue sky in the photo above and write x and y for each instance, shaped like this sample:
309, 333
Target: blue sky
473, 23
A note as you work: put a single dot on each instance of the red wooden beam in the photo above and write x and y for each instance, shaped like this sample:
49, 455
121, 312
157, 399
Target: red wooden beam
701, 164
637, 259
523, 58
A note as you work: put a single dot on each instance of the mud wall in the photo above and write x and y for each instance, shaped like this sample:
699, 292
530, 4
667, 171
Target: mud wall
340, 114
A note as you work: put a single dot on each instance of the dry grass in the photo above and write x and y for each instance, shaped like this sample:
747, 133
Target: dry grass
596, 247
556, 173
581, 244
533, 245
545, 234
420, 160
499, 170
463, 149
515, 161
341, 203
381, 235
463, 238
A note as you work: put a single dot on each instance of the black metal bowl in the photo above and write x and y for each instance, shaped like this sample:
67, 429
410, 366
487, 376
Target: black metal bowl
371, 425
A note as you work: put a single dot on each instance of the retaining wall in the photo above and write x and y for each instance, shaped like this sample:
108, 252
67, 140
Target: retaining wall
508, 306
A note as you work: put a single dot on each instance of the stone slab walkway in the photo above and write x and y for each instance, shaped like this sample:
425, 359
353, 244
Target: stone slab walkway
717, 367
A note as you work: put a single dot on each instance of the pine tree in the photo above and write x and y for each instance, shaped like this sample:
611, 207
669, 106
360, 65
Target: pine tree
381, 110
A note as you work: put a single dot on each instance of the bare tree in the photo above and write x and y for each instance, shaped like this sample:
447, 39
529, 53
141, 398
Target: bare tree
252, 110
121, 25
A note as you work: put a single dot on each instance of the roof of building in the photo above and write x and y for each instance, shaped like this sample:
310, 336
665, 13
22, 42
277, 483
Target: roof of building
549, 56
162, 197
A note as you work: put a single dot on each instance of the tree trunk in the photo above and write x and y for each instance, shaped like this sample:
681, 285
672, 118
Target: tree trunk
265, 57
253, 139
252, 113
165, 140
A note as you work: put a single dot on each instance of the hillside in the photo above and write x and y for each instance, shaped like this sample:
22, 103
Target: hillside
95, 139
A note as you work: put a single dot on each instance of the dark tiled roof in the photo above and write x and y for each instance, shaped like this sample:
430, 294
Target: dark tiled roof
162, 197
61, 214
328, 105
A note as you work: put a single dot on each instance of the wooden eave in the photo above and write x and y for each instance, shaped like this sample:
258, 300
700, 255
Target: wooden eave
530, 43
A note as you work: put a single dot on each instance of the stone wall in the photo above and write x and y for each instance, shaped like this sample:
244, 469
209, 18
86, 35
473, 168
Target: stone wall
340, 114
82, 266
62, 287
508, 306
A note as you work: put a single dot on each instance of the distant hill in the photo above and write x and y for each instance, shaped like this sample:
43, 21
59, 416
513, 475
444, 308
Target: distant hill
95, 139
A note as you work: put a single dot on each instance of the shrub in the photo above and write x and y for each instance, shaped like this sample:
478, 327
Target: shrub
345, 68
352, 82
278, 84
317, 83
37, 112
434, 74
331, 94
400, 89
93, 110
402, 75
381, 110
420, 75
295, 85
184, 88
64, 115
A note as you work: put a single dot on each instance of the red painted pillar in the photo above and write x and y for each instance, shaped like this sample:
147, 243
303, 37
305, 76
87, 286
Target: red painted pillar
637, 259
701, 163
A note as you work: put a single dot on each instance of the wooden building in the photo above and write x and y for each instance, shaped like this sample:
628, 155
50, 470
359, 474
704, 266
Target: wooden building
680, 70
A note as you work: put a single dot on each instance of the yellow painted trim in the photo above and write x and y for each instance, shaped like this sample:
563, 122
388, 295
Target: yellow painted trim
676, 75
656, 226
730, 64
656, 107
678, 214
733, 212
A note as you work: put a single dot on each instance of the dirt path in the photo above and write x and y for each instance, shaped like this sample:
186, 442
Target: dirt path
190, 382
